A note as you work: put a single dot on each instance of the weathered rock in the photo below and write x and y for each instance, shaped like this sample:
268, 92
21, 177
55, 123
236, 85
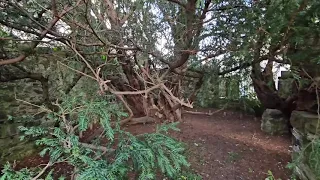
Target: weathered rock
285, 84
274, 122
16, 150
305, 122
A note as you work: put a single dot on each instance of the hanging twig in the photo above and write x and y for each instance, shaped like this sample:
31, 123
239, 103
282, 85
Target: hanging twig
204, 113
43, 34
42, 171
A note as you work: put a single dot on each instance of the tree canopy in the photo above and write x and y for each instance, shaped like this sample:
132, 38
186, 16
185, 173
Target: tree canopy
155, 56
156, 40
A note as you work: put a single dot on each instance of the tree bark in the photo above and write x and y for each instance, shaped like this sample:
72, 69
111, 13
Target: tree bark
266, 92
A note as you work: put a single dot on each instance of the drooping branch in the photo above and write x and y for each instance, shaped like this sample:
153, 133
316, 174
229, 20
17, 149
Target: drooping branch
241, 66
25, 40
225, 8
178, 2
34, 32
210, 56
49, 164
42, 35
204, 113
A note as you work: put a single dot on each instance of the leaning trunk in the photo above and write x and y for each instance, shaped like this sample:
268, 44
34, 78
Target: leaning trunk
266, 92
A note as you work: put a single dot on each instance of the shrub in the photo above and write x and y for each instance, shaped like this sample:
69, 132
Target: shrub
145, 155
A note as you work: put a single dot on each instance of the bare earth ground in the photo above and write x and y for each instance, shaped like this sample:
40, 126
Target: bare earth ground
224, 146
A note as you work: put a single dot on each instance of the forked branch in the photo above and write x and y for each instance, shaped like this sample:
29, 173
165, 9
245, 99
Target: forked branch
43, 34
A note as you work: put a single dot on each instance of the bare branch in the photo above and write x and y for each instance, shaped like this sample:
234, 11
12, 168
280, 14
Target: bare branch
126, 17
42, 171
41, 36
13, 60
178, 2
241, 66
92, 29
225, 8
54, 8
111, 12
175, 98
30, 40
210, 56
13, 26
205, 113
80, 72
146, 91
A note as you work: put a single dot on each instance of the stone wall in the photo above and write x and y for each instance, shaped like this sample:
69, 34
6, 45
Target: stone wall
305, 129
14, 112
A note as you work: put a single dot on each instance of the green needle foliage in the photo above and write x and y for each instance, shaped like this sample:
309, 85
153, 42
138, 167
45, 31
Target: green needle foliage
145, 156
314, 157
309, 155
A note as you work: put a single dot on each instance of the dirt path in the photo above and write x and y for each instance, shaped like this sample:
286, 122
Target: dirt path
224, 146
230, 146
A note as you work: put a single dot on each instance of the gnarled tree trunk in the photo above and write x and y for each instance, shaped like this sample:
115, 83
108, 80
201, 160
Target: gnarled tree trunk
267, 94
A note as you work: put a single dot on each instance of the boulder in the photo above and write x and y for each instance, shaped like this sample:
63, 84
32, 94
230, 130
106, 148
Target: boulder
274, 122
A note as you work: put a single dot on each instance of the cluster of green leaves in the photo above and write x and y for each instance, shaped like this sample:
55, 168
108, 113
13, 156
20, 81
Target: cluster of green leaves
314, 157
225, 92
251, 105
208, 95
187, 175
310, 155
121, 153
3, 34
9, 173
270, 176
215, 92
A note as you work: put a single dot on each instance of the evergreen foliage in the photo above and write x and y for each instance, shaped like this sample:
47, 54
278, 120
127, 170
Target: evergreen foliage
314, 157
125, 39
145, 155
310, 155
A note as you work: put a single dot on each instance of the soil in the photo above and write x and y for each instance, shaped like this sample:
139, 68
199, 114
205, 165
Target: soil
224, 146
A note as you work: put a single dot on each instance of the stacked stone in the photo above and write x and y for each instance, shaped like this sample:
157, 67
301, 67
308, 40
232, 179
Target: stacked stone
12, 148
305, 129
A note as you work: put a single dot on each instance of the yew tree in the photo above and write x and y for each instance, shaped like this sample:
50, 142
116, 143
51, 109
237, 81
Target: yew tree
139, 51
144, 52
283, 33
